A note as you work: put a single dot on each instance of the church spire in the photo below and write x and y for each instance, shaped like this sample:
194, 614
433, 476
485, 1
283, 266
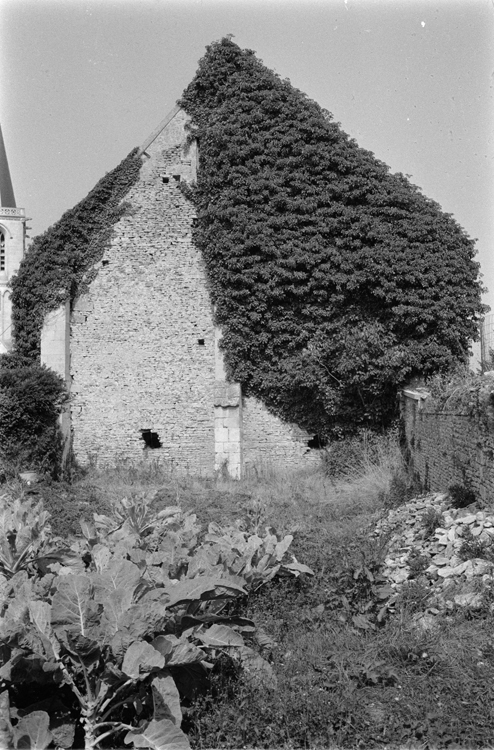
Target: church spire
7, 198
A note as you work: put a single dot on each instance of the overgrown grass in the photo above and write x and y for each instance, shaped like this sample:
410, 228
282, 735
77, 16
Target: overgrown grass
406, 682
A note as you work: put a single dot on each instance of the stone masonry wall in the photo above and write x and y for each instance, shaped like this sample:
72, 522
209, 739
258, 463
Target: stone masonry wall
142, 343
143, 352
270, 443
448, 447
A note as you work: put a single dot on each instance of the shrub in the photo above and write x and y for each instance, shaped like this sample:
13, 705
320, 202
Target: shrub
31, 399
461, 496
334, 281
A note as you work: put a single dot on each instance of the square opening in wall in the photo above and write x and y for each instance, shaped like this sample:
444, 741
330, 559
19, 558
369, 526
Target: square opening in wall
177, 177
165, 180
201, 342
151, 439
317, 442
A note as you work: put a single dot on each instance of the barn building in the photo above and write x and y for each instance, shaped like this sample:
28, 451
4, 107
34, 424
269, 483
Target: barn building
139, 349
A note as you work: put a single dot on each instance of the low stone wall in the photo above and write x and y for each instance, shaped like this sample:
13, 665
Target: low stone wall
450, 443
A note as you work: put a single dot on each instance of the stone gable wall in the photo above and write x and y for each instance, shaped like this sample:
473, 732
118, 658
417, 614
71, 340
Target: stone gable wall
136, 358
143, 351
448, 447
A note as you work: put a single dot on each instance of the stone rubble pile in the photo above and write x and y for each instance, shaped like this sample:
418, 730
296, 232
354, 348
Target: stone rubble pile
417, 552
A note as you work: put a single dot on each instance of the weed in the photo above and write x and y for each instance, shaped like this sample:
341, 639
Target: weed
431, 520
413, 597
417, 562
472, 547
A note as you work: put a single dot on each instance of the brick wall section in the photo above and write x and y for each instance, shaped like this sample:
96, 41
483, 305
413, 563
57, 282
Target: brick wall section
143, 339
448, 448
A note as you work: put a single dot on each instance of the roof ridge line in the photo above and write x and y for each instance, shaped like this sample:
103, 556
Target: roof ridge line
158, 130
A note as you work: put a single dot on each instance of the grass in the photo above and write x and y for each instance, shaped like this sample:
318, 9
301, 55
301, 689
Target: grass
393, 684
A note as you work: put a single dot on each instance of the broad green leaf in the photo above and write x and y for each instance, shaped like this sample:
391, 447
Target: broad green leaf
73, 606
204, 561
115, 604
65, 557
140, 659
159, 735
220, 636
32, 731
101, 556
296, 567
40, 614
6, 731
264, 640
362, 622
189, 622
62, 726
257, 670
177, 651
166, 698
282, 546
88, 530
18, 608
86, 648
118, 574
201, 589
148, 616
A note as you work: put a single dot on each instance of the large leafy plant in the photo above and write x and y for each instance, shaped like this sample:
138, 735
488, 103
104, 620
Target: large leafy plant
126, 625
26, 540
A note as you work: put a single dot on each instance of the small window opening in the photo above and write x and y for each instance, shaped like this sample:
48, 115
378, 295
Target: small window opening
317, 442
105, 262
201, 342
151, 439
165, 180
177, 177
2, 251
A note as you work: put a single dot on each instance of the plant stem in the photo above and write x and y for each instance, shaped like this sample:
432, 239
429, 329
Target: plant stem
88, 684
117, 691
115, 705
117, 728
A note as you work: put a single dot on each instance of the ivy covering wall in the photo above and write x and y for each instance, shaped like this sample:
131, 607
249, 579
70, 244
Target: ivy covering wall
334, 281
60, 261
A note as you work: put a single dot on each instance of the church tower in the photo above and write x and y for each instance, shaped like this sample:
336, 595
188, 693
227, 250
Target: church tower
12, 241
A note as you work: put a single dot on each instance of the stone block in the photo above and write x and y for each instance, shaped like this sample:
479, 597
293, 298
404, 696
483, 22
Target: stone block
234, 435
227, 394
220, 435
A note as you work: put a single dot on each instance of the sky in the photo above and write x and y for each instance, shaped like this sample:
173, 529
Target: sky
85, 81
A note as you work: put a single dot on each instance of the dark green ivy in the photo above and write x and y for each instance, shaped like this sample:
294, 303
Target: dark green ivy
334, 281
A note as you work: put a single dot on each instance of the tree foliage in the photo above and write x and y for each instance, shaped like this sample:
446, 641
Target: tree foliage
61, 260
334, 281
31, 399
